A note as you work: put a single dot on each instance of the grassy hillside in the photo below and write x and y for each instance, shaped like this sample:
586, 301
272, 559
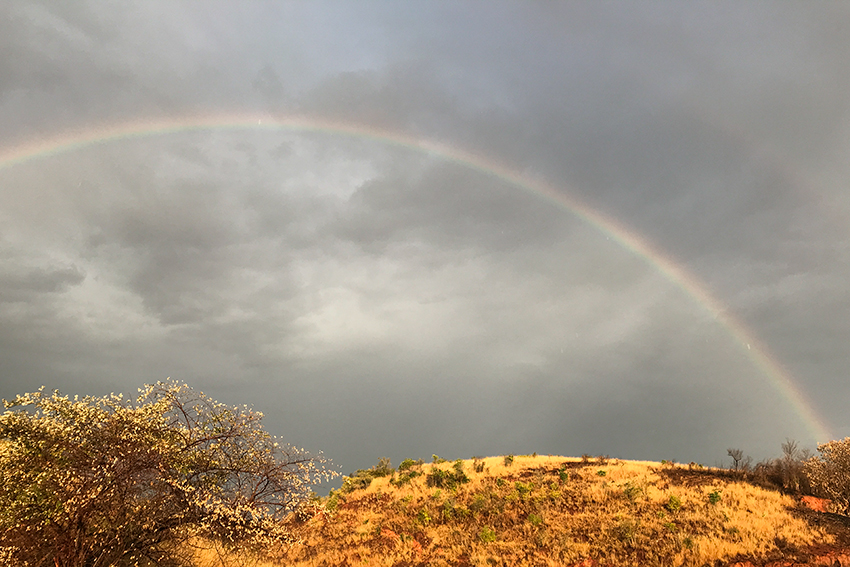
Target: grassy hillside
543, 510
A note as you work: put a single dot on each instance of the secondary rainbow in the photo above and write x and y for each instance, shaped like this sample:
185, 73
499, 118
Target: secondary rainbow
746, 340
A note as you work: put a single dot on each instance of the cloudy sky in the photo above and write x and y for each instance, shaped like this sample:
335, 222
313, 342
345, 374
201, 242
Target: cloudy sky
355, 235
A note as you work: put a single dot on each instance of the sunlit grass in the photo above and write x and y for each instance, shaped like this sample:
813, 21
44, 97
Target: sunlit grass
550, 511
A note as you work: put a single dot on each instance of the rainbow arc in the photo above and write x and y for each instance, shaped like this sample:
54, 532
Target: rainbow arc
749, 344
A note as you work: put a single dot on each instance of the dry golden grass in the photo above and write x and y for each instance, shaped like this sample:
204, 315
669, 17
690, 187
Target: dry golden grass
551, 511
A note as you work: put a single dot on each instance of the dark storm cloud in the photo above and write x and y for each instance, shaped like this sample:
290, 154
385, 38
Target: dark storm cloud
376, 300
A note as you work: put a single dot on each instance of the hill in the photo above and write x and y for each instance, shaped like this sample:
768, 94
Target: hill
545, 510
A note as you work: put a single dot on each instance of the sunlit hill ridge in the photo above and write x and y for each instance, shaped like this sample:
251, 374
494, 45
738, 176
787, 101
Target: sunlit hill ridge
549, 510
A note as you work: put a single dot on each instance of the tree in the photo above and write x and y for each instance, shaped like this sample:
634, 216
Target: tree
829, 473
97, 482
739, 462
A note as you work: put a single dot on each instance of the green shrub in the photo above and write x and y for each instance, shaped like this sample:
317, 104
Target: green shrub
383, 468
522, 489
423, 517
500, 482
714, 497
478, 504
363, 478
408, 464
673, 503
563, 474
601, 473
332, 503
404, 478
631, 492
447, 479
509, 460
478, 464
437, 460
535, 519
487, 534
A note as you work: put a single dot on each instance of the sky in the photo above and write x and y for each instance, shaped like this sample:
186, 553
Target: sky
401, 229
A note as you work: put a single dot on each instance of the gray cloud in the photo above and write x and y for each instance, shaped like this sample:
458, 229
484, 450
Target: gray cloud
377, 300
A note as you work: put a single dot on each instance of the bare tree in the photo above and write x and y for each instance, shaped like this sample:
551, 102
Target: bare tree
740, 463
97, 482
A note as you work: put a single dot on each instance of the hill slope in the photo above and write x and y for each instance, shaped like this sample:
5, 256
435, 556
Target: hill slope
556, 511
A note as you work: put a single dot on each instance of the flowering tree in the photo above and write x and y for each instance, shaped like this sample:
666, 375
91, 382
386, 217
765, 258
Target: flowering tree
829, 473
97, 482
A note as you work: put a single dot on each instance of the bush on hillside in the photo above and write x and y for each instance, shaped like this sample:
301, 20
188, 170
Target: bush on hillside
363, 477
829, 473
108, 481
447, 479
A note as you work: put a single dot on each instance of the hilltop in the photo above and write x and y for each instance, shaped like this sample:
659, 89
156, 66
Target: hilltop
546, 510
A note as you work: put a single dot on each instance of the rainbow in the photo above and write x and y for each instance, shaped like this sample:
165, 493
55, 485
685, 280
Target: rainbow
757, 352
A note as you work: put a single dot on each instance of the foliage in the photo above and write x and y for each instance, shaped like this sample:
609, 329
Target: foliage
111, 482
509, 460
487, 534
631, 492
829, 473
674, 503
408, 464
714, 497
447, 479
363, 477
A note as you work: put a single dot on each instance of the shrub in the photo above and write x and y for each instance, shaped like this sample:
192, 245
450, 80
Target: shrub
109, 481
479, 503
626, 530
523, 489
673, 503
601, 473
363, 477
535, 519
437, 460
487, 535
404, 478
478, 464
423, 517
563, 475
714, 497
408, 464
829, 473
383, 468
631, 492
447, 479
509, 460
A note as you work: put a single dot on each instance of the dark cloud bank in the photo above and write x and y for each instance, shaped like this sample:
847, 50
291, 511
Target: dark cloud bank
374, 300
